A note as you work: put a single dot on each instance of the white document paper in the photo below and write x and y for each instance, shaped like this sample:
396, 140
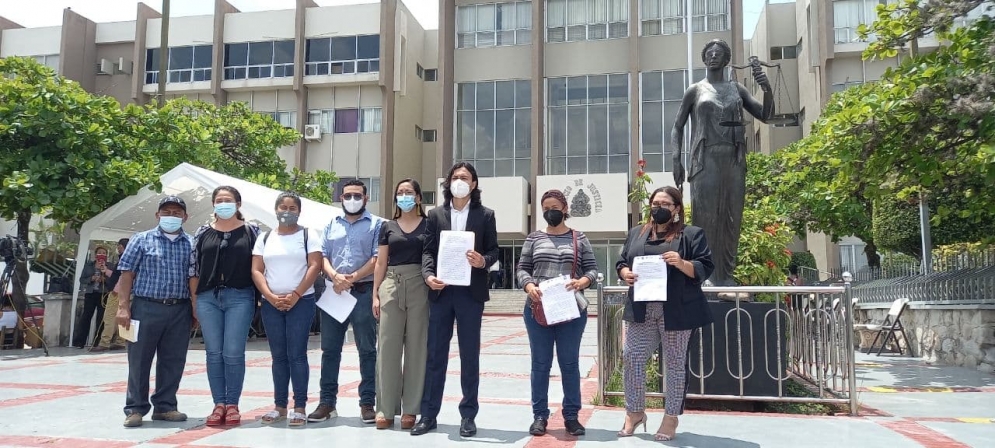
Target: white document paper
452, 266
130, 333
651, 279
558, 303
337, 305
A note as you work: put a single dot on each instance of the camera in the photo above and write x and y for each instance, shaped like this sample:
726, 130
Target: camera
13, 248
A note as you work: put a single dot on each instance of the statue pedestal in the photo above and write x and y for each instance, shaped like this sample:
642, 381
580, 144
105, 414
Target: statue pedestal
58, 316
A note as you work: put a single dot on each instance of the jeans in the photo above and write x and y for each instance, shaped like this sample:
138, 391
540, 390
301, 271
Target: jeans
92, 304
364, 329
164, 335
287, 333
566, 337
225, 316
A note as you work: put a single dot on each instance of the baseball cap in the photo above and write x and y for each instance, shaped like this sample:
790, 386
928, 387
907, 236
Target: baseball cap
172, 199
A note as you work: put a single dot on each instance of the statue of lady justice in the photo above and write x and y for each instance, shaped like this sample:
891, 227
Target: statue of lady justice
718, 152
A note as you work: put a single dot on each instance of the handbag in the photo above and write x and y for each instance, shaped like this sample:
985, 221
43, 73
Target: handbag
536, 306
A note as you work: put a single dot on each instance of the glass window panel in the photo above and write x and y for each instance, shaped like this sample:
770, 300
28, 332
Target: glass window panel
557, 165
670, 110
180, 58
236, 54
618, 88
152, 59
346, 121
618, 130
349, 67
504, 168
318, 49
523, 93
505, 94
577, 90
485, 134
652, 89
466, 20
597, 89
201, 75
524, 37
485, 17
283, 52
523, 167
265, 72
577, 165
576, 12
577, 131
505, 16
654, 162
260, 53
254, 73
523, 133
557, 13
597, 165
504, 134
203, 56
362, 66
652, 137
524, 15
322, 69
557, 91
557, 131
674, 84
370, 120
485, 168
618, 164
467, 135
368, 47
597, 129
485, 95
240, 73
467, 95
186, 76
344, 48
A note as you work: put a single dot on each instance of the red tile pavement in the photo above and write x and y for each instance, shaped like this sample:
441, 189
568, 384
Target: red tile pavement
922, 435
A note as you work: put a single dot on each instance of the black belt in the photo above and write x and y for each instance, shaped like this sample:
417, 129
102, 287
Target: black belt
167, 302
360, 287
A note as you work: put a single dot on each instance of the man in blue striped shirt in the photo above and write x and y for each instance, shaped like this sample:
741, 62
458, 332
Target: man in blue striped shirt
154, 271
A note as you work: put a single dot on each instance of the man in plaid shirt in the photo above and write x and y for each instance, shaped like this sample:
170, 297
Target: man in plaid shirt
154, 269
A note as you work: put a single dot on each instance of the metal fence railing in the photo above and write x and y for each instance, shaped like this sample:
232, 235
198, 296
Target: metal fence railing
806, 334
973, 286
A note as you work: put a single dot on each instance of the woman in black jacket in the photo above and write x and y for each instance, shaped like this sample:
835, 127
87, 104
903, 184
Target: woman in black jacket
689, 263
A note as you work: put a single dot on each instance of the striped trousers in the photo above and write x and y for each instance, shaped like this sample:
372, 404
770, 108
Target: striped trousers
641, 340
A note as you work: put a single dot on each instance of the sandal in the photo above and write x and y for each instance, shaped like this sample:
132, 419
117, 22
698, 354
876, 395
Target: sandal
668, 429
217, 417
296, 419
273, 417
232, 416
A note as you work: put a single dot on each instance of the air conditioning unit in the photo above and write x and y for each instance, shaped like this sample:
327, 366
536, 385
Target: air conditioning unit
106, 67
124, 66
312, 132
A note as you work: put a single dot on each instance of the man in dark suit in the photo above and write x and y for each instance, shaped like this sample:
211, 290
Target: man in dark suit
462, 211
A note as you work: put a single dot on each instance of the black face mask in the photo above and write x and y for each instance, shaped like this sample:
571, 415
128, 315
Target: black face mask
553, 217
662, 215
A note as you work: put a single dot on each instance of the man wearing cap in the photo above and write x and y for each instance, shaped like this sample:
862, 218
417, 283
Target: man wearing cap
153, 290
109, 339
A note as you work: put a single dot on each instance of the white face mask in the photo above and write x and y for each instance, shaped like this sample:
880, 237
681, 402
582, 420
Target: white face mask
353, 205
459, 188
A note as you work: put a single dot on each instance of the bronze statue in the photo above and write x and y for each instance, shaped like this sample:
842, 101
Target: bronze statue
718, 153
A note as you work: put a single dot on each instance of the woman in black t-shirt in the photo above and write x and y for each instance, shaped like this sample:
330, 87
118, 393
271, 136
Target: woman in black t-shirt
224, 300
400, 303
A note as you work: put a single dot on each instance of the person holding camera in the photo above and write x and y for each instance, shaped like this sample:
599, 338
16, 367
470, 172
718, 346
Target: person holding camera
94, 283
110, 339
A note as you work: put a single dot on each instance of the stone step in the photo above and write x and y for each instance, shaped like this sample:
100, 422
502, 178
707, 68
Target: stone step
512, 302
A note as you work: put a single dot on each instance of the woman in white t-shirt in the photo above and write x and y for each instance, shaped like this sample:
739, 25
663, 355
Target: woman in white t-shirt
285, 264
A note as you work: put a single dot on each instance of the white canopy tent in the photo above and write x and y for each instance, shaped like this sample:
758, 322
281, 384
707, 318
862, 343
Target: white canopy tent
136, 213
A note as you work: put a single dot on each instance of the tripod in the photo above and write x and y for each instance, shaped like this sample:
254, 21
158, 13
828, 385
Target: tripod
5, 280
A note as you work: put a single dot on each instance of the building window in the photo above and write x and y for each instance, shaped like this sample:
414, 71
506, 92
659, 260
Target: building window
372, 188
839, 87
661, 99
428, 135
588, 120
662, 17
494, 25
287, 119
350, 121
419, 133
428, 197
577, 20
850, 14
494, 127
185, 64
785, 120
49, 60
420, 71
323, 118
342, 55
431, 74
254, 60
778, 53
710, 15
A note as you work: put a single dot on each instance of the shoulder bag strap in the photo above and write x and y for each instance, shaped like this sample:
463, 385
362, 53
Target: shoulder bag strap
573, 267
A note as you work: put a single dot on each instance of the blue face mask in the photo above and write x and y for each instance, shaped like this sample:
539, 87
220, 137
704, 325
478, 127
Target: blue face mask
225, 210
406, 202
170, 224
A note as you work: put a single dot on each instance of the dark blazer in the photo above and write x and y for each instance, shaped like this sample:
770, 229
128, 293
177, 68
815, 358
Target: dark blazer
480, 220
686, 307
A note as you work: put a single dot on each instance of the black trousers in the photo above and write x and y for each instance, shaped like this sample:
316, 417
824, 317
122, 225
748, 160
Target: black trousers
164, 333
93, 302
455, 304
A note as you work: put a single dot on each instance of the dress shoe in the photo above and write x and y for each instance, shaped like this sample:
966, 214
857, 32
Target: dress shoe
467, 428
407, 421
424, 426
538, 427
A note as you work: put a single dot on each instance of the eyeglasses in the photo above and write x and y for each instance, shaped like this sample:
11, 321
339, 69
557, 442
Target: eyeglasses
352, 196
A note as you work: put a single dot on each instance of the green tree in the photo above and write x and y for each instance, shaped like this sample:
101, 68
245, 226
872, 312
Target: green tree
61, 153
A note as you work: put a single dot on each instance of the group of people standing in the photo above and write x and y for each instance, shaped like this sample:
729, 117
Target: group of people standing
404, 317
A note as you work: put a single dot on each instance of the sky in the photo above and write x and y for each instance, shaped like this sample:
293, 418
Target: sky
37, 13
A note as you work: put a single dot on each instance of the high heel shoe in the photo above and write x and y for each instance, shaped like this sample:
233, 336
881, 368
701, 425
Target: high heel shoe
642, 419
668, 429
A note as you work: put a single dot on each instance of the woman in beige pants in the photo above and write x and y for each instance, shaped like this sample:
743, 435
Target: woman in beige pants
400, 303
